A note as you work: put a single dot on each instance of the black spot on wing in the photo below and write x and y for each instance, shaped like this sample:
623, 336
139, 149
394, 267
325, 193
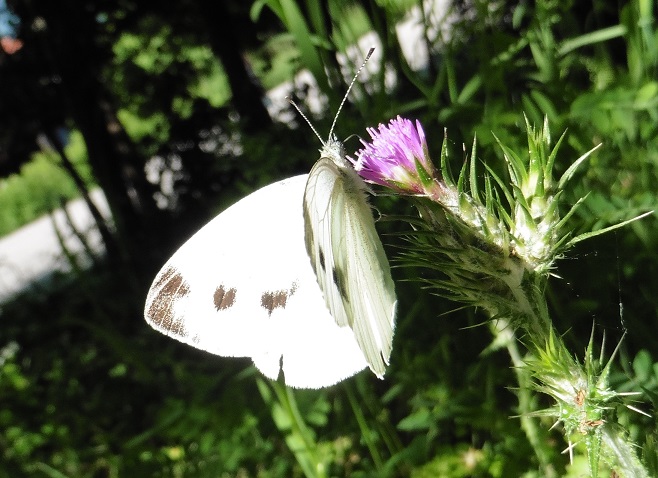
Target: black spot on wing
170, 287
224, 298
272, 300
309, 240
339, 280
322, 259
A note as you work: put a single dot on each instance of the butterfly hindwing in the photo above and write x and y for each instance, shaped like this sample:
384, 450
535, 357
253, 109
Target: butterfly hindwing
243, 286
348, 257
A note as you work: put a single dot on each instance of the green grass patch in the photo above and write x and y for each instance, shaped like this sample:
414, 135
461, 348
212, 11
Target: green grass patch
41, 186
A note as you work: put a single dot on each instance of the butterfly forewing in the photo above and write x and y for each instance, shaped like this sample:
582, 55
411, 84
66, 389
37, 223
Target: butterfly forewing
243, 286
348, 256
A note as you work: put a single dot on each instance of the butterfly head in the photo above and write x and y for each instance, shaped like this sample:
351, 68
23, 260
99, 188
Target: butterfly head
333, 149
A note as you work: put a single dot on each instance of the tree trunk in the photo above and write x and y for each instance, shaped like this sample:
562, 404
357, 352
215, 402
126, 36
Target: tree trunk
225, 41
108, 239
116, 165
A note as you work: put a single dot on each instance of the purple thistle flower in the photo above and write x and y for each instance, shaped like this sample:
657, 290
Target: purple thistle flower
397, 157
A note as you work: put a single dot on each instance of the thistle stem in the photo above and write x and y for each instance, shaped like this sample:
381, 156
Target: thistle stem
617, 445
536, 435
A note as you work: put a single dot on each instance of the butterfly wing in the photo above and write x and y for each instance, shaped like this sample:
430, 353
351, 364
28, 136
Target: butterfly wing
243, 286
348, 258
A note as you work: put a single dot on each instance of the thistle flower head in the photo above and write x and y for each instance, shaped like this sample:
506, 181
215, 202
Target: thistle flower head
397, 157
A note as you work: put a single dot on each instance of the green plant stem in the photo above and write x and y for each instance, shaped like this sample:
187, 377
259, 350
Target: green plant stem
527, 291
504, 333
289, 421
617, 445
300, 433
363, 426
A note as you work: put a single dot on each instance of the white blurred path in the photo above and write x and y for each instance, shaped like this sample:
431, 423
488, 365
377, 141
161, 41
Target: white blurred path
34, 252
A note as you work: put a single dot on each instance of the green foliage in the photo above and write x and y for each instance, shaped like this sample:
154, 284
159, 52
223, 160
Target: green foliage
88, 390
41, 186
154, 54
324, 30
276, 62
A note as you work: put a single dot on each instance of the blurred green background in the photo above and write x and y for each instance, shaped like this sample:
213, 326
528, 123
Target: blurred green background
162, 106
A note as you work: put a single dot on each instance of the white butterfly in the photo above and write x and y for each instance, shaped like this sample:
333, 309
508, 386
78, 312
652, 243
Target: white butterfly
243, 285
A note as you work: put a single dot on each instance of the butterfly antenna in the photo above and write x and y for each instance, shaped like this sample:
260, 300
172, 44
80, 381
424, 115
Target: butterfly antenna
305, 118
349, 88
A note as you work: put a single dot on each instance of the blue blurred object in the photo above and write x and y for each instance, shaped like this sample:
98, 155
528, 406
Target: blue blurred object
9, 21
